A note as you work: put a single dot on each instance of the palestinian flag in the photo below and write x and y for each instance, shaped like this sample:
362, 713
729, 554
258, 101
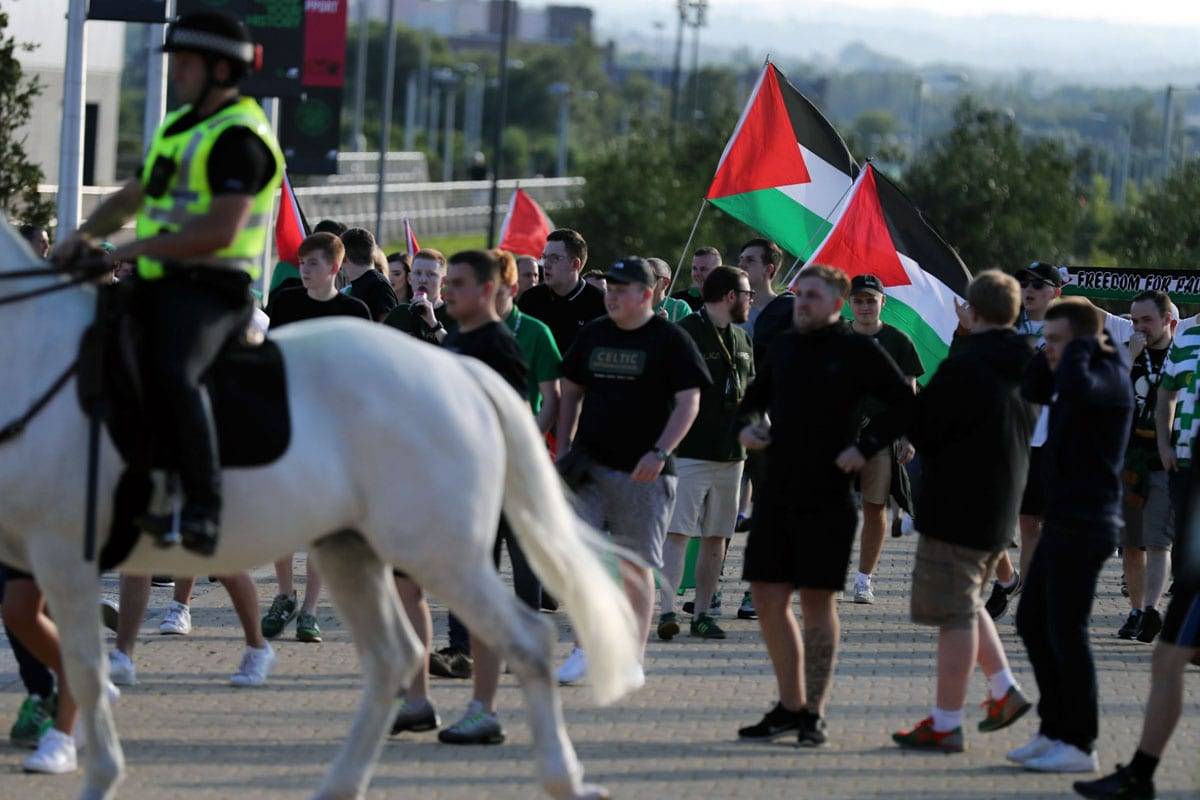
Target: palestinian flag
785, 170
881, 233
411, 245
290, 229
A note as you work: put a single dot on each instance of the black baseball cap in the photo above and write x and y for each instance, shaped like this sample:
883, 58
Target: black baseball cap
866, 283
1041, 271
631, 269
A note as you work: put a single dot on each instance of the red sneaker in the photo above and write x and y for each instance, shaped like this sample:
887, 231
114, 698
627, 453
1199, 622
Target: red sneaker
924, 737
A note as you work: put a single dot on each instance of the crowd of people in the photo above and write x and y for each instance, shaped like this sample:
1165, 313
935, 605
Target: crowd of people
798, 416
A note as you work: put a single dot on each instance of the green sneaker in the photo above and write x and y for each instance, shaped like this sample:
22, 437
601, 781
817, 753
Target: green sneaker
668, 626
282, 611
706, 627
307, 629
35, 717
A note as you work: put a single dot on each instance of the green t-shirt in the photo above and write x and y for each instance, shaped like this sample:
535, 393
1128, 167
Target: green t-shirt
676, 309
540, 351
1180, 376
729, 356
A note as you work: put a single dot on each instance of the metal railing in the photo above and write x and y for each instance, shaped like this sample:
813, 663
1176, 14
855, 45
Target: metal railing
356, 168
433, 209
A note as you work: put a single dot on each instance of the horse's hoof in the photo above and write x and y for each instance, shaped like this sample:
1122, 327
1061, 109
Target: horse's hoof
591, 791
576, 791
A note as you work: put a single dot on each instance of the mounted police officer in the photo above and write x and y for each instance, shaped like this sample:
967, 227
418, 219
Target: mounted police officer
202, 202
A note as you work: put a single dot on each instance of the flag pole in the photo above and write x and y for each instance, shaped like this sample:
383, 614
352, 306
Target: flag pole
688, 246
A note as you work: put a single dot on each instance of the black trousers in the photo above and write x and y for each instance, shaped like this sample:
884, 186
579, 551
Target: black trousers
34, 674
1053, 622
188, 317
525, 582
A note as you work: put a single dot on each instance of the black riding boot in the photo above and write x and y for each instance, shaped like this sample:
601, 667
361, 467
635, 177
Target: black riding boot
200, 476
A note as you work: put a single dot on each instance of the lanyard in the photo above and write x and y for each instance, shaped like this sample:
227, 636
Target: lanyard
732, 381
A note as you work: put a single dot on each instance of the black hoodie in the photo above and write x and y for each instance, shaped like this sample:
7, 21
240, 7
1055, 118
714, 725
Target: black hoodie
972, 429
1091, 412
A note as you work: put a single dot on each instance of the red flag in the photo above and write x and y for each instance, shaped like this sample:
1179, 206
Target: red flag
290, 225
411, 245
525, 227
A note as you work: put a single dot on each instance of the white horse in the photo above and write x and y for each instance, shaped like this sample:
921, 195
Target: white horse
457, 443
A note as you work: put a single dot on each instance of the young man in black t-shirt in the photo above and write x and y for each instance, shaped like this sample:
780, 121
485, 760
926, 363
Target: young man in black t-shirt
366, 283
1149, 531
320, 257
637, 378
875, 480
565, 302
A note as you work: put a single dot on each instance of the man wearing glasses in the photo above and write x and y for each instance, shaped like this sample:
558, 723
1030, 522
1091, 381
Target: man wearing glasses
672, 309
565, 302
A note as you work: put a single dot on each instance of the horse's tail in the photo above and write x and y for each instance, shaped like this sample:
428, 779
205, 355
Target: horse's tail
562, 549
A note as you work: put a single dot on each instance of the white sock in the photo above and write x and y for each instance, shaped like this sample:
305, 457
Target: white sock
945, 721
862, 577
1000, 683
1011, 582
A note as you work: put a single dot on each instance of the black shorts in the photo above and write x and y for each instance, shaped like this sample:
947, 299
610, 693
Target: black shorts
1182, 625
8, 573
808, 549
1033, 501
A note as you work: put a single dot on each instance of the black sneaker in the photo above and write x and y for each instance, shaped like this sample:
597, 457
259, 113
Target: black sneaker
997, 603
450, 662
1152, 624
812, 730
162, 580
1122, 785
689, 607
1130, 629
415, 718
777, 722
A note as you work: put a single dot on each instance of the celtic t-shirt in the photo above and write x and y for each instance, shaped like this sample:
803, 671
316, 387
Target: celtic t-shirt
630, 378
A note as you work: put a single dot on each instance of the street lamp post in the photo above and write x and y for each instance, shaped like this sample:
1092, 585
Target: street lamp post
501, 113
358, 138
385, 137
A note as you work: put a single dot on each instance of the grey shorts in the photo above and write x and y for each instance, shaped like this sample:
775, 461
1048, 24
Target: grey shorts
635, 514
1152, 525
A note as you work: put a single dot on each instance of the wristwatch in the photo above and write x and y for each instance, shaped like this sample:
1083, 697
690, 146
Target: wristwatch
661, 454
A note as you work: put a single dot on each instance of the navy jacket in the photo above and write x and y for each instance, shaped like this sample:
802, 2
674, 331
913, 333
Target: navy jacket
1091, 411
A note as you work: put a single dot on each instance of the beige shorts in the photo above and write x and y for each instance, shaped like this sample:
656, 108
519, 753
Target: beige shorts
948, 581
875, 478
706, 502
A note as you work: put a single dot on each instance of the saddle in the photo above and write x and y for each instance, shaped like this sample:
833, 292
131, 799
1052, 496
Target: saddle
247, 389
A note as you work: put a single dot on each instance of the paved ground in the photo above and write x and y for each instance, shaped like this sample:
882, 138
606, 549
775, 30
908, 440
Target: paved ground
187, 734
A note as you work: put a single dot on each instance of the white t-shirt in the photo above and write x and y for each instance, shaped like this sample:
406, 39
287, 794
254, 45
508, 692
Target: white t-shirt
1119, 330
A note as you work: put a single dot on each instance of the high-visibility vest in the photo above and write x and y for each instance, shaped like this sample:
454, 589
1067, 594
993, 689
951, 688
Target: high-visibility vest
188, 195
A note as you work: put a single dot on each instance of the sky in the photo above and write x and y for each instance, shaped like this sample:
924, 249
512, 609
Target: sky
1149, 12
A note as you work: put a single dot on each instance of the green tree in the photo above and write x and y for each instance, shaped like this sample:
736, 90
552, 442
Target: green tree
1001, 201
1162, 229
19, 177
643, 193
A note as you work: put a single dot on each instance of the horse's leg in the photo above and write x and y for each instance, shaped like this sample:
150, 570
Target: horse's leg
72, 594
360, 587
526, 641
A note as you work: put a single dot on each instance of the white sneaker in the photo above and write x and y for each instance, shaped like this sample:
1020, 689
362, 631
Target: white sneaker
55, 754
255, 667
1064, 757
120, 669
177, 621
574, 669
1037, 746
863, 594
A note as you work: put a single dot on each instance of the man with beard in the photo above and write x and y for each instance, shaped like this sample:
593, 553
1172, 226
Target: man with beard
710, 456
810, 384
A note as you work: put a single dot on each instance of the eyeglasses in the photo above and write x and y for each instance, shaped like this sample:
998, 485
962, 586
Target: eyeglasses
748, 292
1032, 283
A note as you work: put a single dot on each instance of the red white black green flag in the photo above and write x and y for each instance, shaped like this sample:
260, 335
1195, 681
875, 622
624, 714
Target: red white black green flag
880, 232
785, 170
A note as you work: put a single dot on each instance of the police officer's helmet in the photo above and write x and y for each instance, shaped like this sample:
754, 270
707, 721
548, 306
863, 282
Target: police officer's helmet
217, 36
